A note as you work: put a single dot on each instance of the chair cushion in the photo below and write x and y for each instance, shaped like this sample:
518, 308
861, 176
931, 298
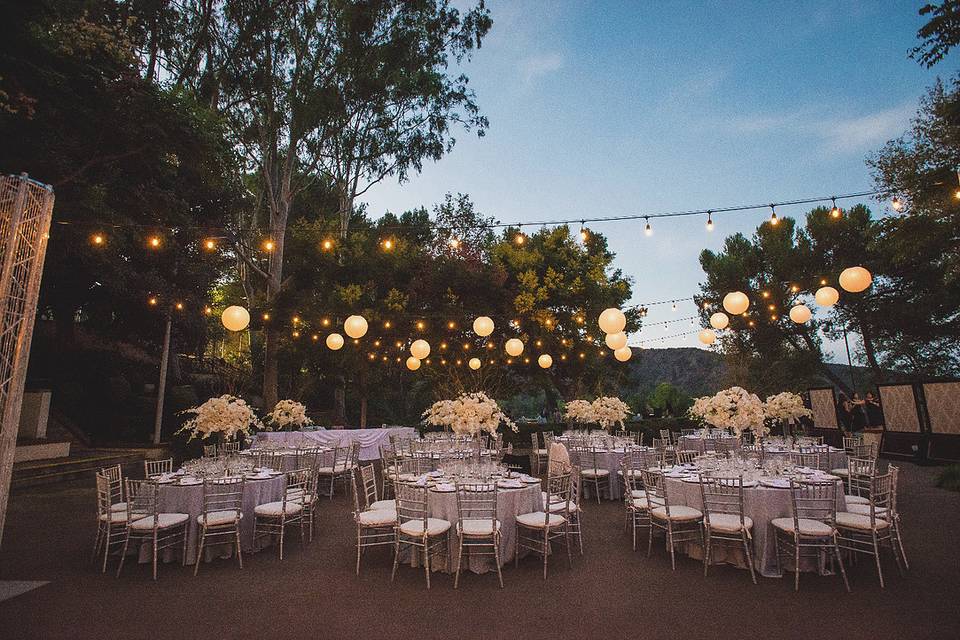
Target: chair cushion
542, 452
640, 502
378, 518
678, 513
864, 509
839, 472
808, 527
557, 507
326, 471
164, 520
217, 518
728, 522
435, 527
114, 517
536, 520
633, 473
471, 527
856, 500
595, 473
275, 509
118, 506
847, 520
553, 499
383, 504
639, 493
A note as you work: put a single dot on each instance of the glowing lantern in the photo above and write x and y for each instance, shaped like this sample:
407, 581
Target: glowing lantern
483, 326
719, 320
707, 336
355, 327
736, 302
616, 340
855, 279
826, 296
545, 361
420, 349
612, 321
334, 341
800, 313
623, 353
474, 363
513, 347
235, 318
412, 363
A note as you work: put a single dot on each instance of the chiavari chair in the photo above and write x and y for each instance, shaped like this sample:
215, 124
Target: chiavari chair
209, 451
537, 454
111, 522
228, 448
811, 460
859, 450
115, 475
153, 468
667, 437
145, 522
679, 523
478, 529
634, 497
416, 529
592, 462
865, 533
389, 457
811, 528
371, 498
222, 512
375, 527
686, 457
339, 464
272, 518
889, 512
269, 459
860, 473
537, 530
724, 520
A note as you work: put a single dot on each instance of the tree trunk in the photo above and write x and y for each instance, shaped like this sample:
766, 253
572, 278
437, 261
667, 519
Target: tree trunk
870, 350
270, 366
340, 402
345, 204
363, 412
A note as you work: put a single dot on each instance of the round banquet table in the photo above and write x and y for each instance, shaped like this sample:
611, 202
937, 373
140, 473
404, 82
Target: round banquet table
762, 505
510, 504
172, 498
834, 458
696, 443
609, 460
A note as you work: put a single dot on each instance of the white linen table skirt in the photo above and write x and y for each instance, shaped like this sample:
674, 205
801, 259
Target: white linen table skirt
370, 439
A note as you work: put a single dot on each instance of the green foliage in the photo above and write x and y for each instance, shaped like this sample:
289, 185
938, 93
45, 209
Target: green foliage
949, 478
940, 34
668, 400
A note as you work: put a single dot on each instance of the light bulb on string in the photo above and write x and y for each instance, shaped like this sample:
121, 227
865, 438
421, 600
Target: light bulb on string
709, 221
648, 230
583, 232
97, 239
268, 245
835, 211
774, 220
209, 244
897, 204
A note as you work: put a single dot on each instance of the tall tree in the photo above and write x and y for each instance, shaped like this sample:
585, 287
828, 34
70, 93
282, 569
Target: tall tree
940, 34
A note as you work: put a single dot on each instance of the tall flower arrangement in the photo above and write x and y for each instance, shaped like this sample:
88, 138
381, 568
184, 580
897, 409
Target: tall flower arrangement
785, 407
287, 414
610, 411
580, 411
735, 408
468, 414
226, 416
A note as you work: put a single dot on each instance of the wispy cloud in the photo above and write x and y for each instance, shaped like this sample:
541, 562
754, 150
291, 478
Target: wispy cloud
537, 65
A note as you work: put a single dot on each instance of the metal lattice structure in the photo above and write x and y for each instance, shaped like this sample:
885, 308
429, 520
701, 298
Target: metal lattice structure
26, 207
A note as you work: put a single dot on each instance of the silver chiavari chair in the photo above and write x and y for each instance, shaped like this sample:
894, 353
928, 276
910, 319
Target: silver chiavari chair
865, 533
634, 497
209, 451
890, 513
687, 457
415, 528
269, 459
860, 473
724, 520
679, 523
478, 529
272, 518
667, 437
153, 468
538, 455
809, 460
592, 463
222, 511
811, 528
145, 522
389, 457
375, 527
371, 498
536, 531
724, 447
574, 506
228, 448
111, 522
115, 475
339, 464
858, 450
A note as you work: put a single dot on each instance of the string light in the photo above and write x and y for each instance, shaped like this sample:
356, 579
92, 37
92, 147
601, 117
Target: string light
179, 306
266, 316
774, 220
97, 239
519, 238
648, 230
387, 244
327, 244
454, 242
709, 221
897, 204
386, 325
451, 325
835, 211
209, 244
583, 232
152, 302
207, 310
325, 322
268, 245
154, 242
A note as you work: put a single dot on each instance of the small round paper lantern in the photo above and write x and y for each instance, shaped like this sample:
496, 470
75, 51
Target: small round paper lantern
736, 302
513, 347
334, 341
235, 318
483, 326
545, 361
800, 313
355, 326
420, 349
474, 363
413, 363
707, 336
826, 296
616, 340
719, 320
855, 279
623, 353
612, 320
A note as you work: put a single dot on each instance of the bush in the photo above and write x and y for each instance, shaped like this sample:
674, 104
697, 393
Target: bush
949, 478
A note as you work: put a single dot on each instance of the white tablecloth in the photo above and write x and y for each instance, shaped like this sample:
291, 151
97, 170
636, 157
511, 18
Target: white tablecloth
370, 439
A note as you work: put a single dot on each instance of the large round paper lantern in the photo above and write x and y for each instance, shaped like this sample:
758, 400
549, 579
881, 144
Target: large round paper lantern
355, 326
855, 279
612, 320
623, 353
719, 320
413, 363
483, 326
800, 313
235, 318
707, 336
736, 302
826, 296
334, 341
545, 361
420, 349
514, 347
474, 363
616, 340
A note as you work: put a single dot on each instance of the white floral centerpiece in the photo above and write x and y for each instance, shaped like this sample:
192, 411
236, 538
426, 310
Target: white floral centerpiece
735, 408
288, 414
785, 407
225, 416
580, 411
609, 411
468, 414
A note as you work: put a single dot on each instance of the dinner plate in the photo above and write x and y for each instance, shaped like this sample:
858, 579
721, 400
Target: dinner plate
530, 480
509, 485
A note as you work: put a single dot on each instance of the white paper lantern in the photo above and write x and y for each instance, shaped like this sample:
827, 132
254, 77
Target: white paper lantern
355, 326
736, 302
612, 320
334, 341
826, 296
513, 347
545, 361
483, 326
719, 320
800, 313
616, 340
623, 353
707, 336
412, 363
235, 318
420, 349
855, 279
474, 363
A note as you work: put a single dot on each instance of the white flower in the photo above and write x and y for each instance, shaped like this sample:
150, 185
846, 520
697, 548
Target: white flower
469, 414
580, 411
785, 406
288, 413
735, 408
226, 415
610, 411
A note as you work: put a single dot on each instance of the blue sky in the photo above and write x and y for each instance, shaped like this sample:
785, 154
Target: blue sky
610, 108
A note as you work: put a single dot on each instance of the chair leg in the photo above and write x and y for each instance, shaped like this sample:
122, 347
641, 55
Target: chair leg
746, 549
843, 572
546, 549
239, 550
650, 540
359, 549
426, 560
796, 565
396, 556
155, 552
283, 527
456, 577
876, 557
706, 554
903, 555
496, 558
123, 552
203, 537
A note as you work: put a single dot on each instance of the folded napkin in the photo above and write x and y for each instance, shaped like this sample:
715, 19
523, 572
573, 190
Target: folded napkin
422, 481
445, 486
510, 484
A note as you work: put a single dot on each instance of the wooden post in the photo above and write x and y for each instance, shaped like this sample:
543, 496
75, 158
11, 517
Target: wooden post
162, 385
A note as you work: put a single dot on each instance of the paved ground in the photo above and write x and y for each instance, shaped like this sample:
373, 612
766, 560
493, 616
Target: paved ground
611, 592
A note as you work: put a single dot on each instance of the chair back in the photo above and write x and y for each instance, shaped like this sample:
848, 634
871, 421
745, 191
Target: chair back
269, 460
141, 500
814, 500
114, 477
881, 498
354, 481
812, 460
722, 496
229, 447
593, 459
412, 504
666, 435
308, 457
114, 473
297, 486
368, 477
860, 472
686, 457
865, 451
156, 467
547, 439
477, 502
655, 488
558, 492
209, 451
849, 442
222, 495
104, 494
894, 472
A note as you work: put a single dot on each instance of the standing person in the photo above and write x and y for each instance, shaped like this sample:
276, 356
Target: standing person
845, 410
874, 411
859, 421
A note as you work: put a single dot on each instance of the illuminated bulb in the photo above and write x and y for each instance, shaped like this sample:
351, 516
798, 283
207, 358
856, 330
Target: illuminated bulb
296, 319
443, 345
266, 316
896, 203
583, 233
956, 194
179, 306
210, 244
709, 221
519, 237
451, 325
648, 230
154, 242
325, 322
386, 325
152, 301
97, 239
455, 243
207, 310
774, 220
315, 337
268, 245
835, 211
296, 334
388, 244
420, 326
327, 245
